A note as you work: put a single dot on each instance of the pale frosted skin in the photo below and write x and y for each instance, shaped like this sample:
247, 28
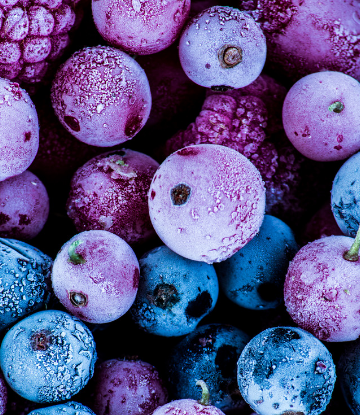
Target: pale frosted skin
322, 292
187, 407
224, 210
316, 131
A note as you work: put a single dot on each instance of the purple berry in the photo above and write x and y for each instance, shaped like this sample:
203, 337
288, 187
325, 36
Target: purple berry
206, 202
95, 276
109, 192
102, 96
222, 48
140, 27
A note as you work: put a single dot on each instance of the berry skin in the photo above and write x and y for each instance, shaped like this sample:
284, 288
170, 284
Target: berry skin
53, 359
95, 276
19, 139
24, 206
140, 27
101, 96
222, 48
206, 202
67, 408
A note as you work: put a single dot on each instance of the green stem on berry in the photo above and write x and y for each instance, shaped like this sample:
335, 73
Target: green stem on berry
337, 107
73, 256
205, 397
353, 253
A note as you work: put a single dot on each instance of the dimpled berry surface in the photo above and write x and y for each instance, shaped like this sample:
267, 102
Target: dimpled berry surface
206, 202
24, 206
187, 407
68, 408
254, 276
222, 47
24, 280
345, 193
19, 129
109, 192
53, 359
138, 26
286, 370
321, 290
129, 387
320, 116
175, 293
101, 95
95, 276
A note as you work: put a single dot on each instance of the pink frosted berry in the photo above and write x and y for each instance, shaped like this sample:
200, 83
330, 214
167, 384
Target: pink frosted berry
24, 206
19, 126
138, 26
109, 192
95, 276
206, 201
102, 96
129, 387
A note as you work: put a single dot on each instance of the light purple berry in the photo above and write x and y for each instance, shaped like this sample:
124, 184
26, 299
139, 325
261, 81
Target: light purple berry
206, 201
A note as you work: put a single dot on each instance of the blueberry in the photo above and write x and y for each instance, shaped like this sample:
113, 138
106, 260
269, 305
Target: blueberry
67, 408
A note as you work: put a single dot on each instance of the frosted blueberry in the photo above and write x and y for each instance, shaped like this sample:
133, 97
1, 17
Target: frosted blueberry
53, 359
67, 408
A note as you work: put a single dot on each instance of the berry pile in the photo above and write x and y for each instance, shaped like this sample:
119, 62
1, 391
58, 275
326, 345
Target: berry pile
179, 220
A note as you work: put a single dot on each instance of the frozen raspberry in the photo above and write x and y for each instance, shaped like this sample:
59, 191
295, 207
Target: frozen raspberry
24, 206
140, 26
222, 48
34, 35
308, 36
206, 201
102, 96
19, 140
109, 192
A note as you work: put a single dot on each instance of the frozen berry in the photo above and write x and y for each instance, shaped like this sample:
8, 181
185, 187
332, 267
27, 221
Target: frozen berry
206, 201
222, 48
102, 96
67, 408
140, 27
95, 276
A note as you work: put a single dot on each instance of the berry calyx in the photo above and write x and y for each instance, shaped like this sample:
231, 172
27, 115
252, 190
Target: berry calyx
78, 299
337, 107
230, 56
180, 194
73, 256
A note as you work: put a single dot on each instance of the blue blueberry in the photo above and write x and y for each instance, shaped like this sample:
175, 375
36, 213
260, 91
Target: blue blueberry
286, 369
209, 353
24, 280
254, 276
67, 408
345, 196
48, 357
174, 293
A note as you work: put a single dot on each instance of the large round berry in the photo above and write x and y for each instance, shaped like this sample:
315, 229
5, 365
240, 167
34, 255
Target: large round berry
48, 356
102, 96
67, 408
221, 48
19, 129
206, 201
140, 27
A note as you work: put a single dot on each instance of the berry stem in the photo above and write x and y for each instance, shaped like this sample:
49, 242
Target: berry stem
353, 253
205, 397
73, 256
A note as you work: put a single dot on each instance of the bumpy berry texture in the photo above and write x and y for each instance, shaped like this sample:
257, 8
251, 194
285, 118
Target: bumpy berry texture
175, 293
307, 36
140, 27
34, 35
101, 95
210, 353
129, 387
25, 280
321, 290
222, 48
67, 408
254, 276
109, 192
19, 140
286, 370
95, 276
53, 359
24, 206
206, 201
320, 116
345, 196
